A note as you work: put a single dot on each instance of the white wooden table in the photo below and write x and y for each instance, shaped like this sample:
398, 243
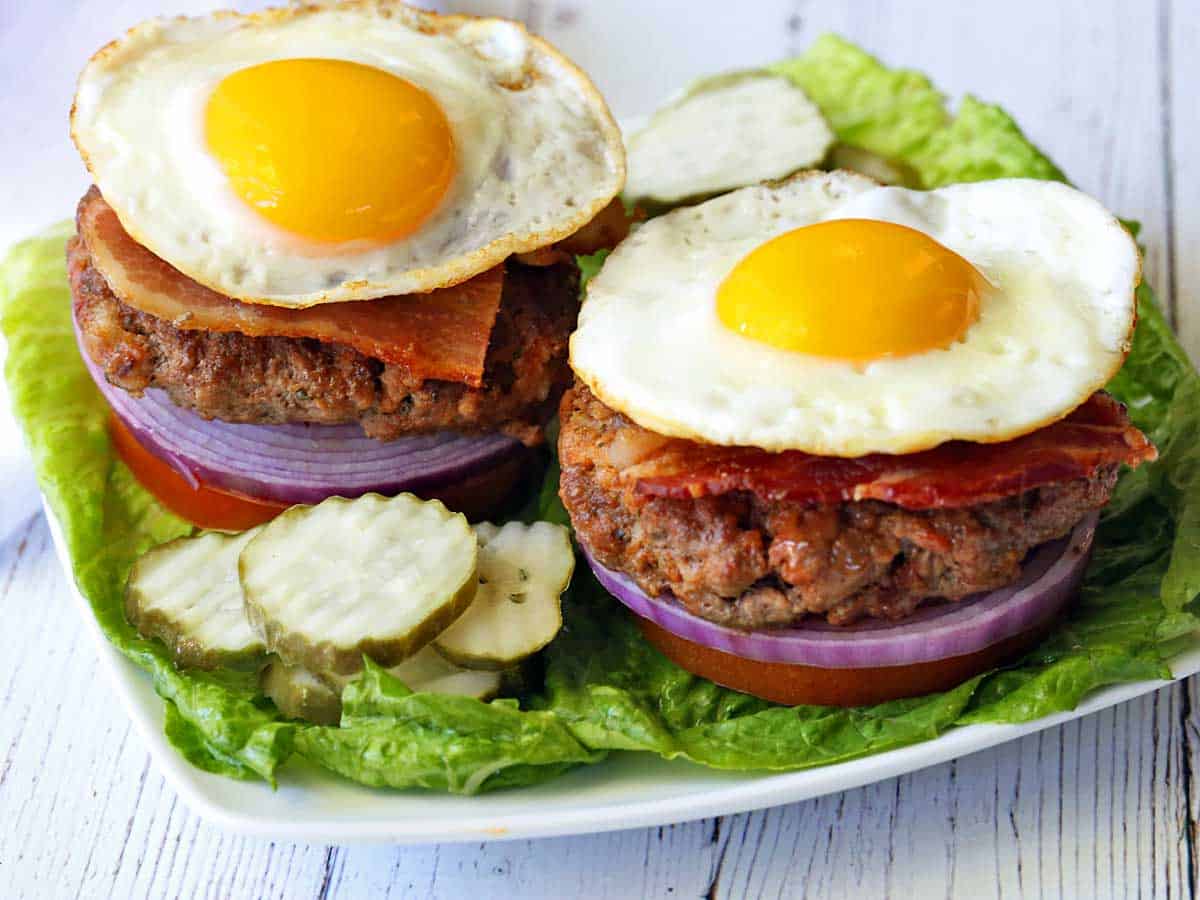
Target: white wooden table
1104, 806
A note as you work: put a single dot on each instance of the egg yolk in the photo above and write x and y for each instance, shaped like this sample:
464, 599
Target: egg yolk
331, 150
854, 289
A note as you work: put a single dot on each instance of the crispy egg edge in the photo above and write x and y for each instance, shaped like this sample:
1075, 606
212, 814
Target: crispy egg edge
926, 440
433, 278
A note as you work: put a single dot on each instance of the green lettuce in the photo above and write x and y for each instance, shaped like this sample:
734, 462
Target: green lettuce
1138, 598
898, 114
604, 686
891, 112
616, 691
392, 737
107, 519
219, 721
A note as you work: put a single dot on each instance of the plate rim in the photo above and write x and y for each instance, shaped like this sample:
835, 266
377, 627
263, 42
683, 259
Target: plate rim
752, 791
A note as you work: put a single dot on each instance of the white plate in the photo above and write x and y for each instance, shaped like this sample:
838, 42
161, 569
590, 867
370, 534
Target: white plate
629, 790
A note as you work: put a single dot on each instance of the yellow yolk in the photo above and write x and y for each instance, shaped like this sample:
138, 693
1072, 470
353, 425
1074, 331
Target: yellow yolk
331, 150
855, 289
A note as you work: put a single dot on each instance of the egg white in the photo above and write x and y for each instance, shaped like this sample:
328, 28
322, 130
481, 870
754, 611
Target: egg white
538, 152
1053, 330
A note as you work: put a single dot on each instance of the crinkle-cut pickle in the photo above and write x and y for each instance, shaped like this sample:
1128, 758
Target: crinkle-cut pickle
300, 694
186, 593
375, 576
523, 570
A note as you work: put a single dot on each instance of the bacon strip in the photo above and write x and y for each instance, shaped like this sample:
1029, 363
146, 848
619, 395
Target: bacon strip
441, 335
955, 474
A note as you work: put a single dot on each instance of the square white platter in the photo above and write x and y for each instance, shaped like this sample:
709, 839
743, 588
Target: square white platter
628, 790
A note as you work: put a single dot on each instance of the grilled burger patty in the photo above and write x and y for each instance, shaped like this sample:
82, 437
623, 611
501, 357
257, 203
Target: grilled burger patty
740, 560
276, 380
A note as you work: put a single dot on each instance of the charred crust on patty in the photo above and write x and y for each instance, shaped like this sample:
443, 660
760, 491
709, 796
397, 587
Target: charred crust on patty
748, 562
277, 380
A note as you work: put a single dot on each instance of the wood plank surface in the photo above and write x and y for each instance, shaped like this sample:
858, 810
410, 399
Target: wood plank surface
1105, 806
1179, 35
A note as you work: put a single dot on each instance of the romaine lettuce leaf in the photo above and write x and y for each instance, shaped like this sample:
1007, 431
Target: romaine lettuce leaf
898, 114
616, 691
589, 266
107, 519
981, 142
1138, 599
391, 737
218, 720
891, 112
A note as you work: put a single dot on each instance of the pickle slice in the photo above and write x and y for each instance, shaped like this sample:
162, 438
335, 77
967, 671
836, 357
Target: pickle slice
325, 585
864, 162
523, 570
431, 673
187, 594
300, 694
724, 133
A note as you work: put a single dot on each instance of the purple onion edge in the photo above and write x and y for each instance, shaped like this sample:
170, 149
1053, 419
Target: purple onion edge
932, 634
247, 485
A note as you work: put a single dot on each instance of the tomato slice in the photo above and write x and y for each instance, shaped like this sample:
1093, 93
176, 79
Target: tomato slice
811, 685
205, 506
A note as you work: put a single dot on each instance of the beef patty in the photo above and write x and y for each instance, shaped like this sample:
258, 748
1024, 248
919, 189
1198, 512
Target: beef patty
275, 380
747, 562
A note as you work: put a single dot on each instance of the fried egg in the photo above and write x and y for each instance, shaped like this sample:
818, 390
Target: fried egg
836, 316
327, 153
726, 132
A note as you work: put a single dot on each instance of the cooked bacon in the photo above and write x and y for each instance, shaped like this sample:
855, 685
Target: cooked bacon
955, 474
544, 256
441, 335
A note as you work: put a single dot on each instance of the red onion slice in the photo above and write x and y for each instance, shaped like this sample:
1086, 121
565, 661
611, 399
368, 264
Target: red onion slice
1049, 579
298, 463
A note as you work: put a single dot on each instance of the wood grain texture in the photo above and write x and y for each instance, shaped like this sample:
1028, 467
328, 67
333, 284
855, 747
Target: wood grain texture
1105, 806
1179, 34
